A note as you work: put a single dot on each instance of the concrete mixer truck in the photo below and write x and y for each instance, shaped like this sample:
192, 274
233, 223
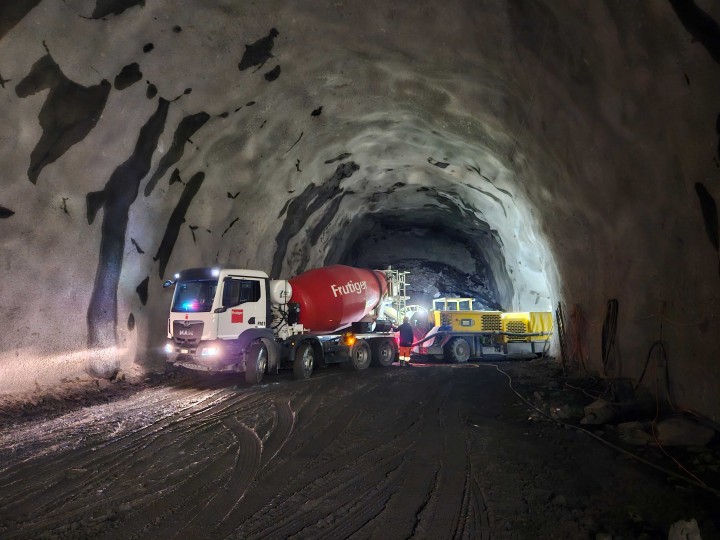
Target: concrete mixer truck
235, 320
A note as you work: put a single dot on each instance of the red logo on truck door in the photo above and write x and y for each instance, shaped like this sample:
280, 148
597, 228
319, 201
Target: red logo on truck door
236, 316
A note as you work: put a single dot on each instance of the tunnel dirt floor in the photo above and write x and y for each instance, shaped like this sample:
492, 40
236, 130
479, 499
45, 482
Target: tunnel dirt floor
424, 451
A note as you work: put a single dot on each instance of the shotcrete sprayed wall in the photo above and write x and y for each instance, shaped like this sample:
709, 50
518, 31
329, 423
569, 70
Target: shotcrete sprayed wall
570, 148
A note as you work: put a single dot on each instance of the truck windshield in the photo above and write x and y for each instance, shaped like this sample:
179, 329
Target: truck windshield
194, 296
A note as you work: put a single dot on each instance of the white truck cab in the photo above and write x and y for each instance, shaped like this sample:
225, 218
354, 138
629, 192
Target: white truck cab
215, 318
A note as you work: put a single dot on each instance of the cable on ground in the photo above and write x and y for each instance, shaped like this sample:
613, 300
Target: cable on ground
694, 482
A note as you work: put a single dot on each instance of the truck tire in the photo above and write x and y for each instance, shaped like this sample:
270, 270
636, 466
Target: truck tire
304, 361
383, 352
360, 355
256, 363
457, 351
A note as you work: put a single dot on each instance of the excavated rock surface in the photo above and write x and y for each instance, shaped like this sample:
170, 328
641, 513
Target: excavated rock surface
570, 150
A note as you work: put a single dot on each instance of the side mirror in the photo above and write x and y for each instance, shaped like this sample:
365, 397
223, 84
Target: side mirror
168, 283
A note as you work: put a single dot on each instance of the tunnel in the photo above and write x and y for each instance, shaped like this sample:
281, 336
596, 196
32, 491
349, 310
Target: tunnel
528, 154
424, 158
502, 154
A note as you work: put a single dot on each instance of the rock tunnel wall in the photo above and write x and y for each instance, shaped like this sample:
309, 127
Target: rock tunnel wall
574, 147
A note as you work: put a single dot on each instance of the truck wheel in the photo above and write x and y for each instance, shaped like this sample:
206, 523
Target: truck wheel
383, 352
457, 351
256, 363
360, 356
304, 361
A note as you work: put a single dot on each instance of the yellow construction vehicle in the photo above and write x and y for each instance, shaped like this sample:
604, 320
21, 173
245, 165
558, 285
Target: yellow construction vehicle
460, 333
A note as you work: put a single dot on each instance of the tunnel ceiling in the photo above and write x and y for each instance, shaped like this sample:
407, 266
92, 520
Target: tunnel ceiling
536, 151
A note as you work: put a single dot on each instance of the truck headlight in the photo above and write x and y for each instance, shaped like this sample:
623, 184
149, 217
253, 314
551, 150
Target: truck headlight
210, 351
169, 349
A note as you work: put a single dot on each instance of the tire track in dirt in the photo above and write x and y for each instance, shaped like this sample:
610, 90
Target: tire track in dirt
329, 503
475, 520
419, 452
107, 460
291, 472
92, 497
253, 455
26, 441
378, 454
224, 485
422, 474
283, 422
455, 470
30, 437
154, 425
228, 490
247, 462
334, 479
292, 468
475, 516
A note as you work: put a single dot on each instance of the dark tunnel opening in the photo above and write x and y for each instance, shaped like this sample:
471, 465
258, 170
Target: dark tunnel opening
445, 257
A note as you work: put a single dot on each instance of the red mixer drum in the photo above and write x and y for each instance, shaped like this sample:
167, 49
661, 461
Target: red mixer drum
332, 297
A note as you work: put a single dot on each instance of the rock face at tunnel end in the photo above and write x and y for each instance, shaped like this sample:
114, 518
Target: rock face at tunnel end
531, 152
